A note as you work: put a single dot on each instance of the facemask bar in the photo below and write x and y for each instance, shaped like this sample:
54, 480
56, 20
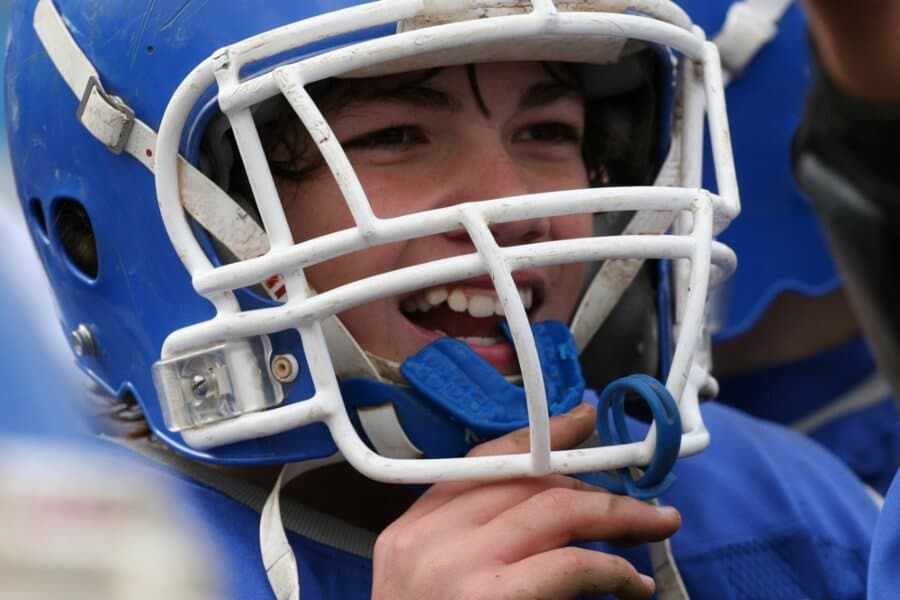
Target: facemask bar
304, 310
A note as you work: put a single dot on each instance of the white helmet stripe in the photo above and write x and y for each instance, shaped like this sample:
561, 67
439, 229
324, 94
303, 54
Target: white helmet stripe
104, 116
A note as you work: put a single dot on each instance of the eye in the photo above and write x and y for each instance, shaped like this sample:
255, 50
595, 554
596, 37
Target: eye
549, 132
397, 136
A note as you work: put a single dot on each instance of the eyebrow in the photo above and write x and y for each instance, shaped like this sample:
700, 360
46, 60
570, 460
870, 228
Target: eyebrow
541, 94
413, 95
420, 96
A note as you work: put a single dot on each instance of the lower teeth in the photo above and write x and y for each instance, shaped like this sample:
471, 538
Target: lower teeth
474, 339
482, 341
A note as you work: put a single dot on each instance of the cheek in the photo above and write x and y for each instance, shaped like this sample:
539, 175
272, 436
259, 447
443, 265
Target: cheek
573, 226
571, 275
394, 192
370, 322
314, 208
568, 174
369, 326
317, 208
355, 266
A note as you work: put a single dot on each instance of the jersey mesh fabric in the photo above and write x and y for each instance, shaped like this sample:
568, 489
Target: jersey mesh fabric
884, 576
867, 438
766, 514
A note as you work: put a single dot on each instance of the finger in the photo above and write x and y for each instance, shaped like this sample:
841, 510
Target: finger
571, 572
557, 516
535, 515
473, 507
566, 430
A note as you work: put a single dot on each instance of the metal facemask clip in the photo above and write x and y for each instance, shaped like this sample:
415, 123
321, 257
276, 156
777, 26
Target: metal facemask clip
106, 116
216, 383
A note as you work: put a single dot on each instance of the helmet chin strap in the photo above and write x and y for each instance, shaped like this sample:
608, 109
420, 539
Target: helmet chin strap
379, 421
347, 356
612, 279
110, 120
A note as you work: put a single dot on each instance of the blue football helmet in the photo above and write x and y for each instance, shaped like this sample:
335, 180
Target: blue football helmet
194, 302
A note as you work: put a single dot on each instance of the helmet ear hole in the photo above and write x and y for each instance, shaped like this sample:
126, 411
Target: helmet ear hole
76, 236
36, 217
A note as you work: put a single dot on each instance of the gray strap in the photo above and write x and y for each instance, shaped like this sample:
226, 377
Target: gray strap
297, 517
870, 392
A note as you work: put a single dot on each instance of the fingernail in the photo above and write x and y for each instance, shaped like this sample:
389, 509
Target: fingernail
648, 581
582, 411
667, 511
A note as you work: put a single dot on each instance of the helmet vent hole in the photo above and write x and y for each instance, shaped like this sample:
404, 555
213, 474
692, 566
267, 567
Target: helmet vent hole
36, 216
76, 234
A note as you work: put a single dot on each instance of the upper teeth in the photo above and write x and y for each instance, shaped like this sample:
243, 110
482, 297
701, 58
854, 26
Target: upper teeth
477, 304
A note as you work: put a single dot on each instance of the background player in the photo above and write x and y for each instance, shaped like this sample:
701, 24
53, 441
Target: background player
788, 347
846, 159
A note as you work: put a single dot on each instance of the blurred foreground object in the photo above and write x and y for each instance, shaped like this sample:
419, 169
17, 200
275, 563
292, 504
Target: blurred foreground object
78, 518
77, 523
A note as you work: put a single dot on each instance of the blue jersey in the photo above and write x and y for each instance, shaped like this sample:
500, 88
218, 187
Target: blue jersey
766, 514
837, 398
884, 565
334, 558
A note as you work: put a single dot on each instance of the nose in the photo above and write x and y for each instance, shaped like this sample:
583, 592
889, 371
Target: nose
490, 171
523, 231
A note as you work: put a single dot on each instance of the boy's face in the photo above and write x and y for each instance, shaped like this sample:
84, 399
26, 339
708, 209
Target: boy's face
430, 144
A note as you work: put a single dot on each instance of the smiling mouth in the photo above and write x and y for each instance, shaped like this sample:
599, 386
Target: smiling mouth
472, 315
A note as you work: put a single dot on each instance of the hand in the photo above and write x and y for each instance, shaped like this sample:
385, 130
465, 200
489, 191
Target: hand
509, 539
